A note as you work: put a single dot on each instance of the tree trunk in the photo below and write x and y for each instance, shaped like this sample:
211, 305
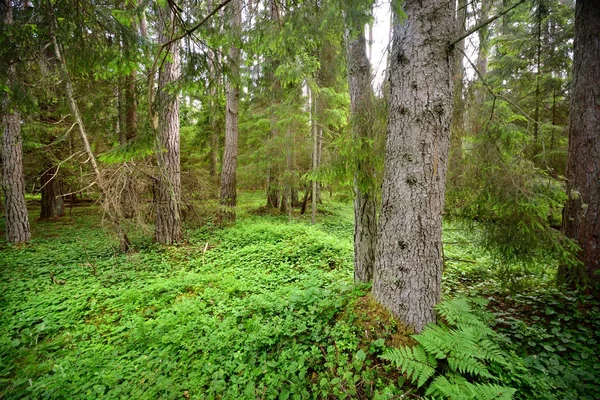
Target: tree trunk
228, 172
408, 269
168, 195
361, 105
13, 181
124, 243
315, 149
214, 105
581, 216
52, 201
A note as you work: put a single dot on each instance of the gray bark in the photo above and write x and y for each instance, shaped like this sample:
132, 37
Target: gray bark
214, 105
13, 181
168, 194
581, 218
408, 269
365, 200
228, 172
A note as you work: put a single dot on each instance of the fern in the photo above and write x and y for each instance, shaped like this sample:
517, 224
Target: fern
414, 362
460, 356
456, 387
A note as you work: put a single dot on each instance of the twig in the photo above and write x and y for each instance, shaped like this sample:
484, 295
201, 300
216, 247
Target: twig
55, 280
489, 88
174, 39
485, 23
204, 251
57, 169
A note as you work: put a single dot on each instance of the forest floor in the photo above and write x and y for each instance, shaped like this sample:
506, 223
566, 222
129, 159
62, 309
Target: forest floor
266, 308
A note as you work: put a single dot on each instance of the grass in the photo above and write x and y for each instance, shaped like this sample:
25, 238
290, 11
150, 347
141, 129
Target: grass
262, 309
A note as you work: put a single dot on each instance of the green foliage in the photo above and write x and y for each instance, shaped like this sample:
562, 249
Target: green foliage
557, 336
461, 355
258, 314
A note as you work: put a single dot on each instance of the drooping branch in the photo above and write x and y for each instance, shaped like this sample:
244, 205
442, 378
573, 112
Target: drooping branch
491, 90
483, 24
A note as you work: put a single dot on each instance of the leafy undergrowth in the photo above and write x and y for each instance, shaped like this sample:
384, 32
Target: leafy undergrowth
264, 309
258, 310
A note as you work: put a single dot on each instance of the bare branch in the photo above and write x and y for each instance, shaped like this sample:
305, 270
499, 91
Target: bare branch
485, 23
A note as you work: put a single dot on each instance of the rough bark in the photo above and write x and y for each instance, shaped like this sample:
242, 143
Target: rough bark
15, 212
228, 172
581, 217
13, 181
168, 193
52, 202
408, 269
365, 201
214, 106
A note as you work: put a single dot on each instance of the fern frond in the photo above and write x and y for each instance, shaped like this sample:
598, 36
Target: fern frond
435, 340
413, 362
468, 365
491, 392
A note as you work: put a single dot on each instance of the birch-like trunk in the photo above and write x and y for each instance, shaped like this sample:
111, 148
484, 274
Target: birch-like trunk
168, 193
408, 270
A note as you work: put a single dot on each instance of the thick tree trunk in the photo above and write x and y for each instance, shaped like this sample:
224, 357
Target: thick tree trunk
228, 172
52, 201
365, 201
581, 216
17, 220
168, 194
408, 269
13, 181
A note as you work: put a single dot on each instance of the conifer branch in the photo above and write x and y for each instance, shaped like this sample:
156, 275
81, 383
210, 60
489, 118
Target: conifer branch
485, 23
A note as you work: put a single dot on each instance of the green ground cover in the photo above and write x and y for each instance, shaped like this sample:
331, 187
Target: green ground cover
263, 309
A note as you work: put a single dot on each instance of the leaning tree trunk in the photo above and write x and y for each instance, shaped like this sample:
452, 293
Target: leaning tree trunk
13, 181
365, 201
228, 172
408, 269
581, 217
66, 78
52, 202
168, 191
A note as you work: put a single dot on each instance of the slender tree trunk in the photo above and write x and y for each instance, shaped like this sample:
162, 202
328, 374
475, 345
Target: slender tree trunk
458, 110
214, 106
168, 195
228, 172
581, 216
365, 200
538, 74
315, 149
273, 188
52, 201
64, 72
408, 268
